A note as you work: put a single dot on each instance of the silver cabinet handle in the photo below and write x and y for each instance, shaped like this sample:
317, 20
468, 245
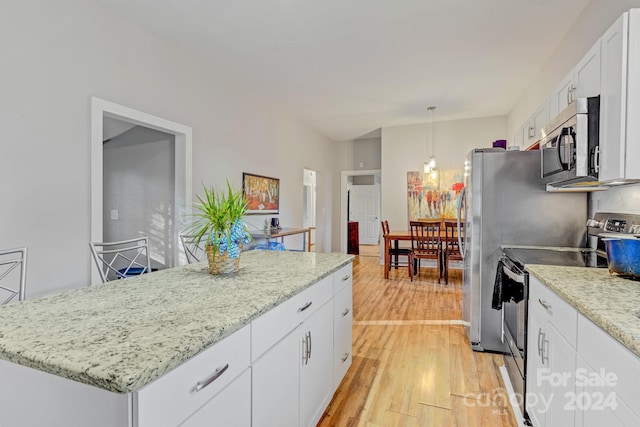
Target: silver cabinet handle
345, 312
219, 371
540, 334
304, 307
309, 347
545, 358
345, 357
544, 304
305, 353
345, 278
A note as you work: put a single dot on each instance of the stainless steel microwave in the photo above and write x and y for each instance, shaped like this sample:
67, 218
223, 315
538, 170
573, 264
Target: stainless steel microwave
569, 149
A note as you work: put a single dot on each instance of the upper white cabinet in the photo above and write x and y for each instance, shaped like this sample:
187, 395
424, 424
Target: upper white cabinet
533, 130
582, 81
620, 99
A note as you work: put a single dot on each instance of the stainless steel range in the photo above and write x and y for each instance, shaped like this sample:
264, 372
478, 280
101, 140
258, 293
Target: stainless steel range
512, 270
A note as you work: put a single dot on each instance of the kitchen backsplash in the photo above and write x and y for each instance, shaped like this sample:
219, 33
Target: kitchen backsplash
625, 199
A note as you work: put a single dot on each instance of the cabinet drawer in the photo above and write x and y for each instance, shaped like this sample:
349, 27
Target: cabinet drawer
557, 311
272, 326
602, 352
342, 278
173, 397
342, 335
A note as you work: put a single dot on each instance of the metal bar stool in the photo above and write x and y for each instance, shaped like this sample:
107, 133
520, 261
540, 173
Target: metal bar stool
119, 260
11, 259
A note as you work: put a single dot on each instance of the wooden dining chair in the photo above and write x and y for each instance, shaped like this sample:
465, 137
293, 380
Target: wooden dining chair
425, 243
395, 252
451, 245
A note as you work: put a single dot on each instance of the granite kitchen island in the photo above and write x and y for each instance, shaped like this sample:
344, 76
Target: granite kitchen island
123, 337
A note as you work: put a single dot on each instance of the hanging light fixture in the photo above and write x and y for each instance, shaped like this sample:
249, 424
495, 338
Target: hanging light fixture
430, 165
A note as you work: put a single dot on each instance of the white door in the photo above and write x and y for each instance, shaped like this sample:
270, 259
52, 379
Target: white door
365, 209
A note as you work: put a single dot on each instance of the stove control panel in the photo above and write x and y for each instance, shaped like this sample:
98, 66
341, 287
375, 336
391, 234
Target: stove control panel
615, 225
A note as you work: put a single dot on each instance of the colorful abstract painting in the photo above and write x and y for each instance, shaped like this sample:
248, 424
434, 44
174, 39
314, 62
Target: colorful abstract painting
434, 195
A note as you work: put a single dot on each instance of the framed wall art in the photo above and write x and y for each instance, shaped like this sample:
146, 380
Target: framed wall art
262, 193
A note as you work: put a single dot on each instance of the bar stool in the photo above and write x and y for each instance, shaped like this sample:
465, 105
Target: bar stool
119, 260
10, 285
193, 250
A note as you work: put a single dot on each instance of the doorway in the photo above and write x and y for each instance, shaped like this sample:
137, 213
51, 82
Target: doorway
309, 205
364, 208
178, 141
346, 184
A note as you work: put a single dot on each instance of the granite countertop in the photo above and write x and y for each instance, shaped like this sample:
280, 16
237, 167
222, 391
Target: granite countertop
124, 334
607, 300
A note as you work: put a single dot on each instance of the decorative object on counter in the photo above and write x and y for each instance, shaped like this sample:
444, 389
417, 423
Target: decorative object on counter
500, 143
623, 256
261, 193
219, 221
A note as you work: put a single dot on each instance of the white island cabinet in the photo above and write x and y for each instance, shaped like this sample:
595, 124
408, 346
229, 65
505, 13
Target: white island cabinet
274, 366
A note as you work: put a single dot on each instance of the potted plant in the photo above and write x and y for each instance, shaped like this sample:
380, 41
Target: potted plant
218, 222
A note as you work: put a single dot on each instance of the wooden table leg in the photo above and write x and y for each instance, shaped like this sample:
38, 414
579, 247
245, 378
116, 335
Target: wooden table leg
387, 245
309, 240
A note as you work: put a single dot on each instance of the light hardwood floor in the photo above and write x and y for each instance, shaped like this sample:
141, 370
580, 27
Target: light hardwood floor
412, 363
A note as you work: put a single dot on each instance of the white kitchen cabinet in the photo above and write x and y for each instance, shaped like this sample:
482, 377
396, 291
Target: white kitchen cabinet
596, 404
275, 385
230, 408
587, 74
539, 119
292, 381
175, 396
316, 367
583, 80
615, 364
294, 376
620, 100
551, 360
342, 323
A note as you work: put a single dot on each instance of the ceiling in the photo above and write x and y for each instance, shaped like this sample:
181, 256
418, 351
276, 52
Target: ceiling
349, 67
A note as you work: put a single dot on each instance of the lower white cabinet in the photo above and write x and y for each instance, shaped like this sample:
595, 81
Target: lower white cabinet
275, 386
551, 357
577, 374
292, 381
230, 408
342, 334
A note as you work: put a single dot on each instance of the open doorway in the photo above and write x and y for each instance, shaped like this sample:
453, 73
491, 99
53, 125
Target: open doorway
309, 205
371, 225
123, 171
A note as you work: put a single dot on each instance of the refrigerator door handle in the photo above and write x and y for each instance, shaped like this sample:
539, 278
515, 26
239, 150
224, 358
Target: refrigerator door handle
463, 194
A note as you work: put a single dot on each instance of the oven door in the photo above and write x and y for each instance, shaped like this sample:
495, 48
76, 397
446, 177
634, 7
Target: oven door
515, 330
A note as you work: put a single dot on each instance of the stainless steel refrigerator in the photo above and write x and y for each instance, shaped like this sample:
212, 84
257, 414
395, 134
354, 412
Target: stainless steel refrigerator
504, 203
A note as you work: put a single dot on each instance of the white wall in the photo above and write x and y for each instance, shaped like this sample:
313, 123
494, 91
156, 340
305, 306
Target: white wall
366, 153
596, 18
55, 56
139, 182
404, 149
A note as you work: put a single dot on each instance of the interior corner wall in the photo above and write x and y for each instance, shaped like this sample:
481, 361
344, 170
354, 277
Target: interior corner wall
139, 183
404, 149
595, 19
60, 55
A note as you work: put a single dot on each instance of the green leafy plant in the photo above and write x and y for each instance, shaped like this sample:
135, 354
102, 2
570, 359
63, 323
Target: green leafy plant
218, 220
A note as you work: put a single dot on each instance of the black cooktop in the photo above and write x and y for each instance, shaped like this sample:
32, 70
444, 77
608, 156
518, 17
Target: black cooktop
575, 257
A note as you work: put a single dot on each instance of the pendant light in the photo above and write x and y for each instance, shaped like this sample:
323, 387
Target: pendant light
430, 165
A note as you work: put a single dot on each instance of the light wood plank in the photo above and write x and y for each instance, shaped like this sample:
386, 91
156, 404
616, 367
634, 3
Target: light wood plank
412, 363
